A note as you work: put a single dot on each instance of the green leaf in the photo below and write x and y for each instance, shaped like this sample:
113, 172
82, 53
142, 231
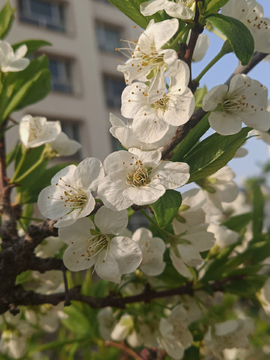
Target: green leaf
219, 262
258, 210
6, 19
32, 45
253, 255
131, 8
192, 353
166, 207
238, 222
213, 153
25, 87
238, 35
246, 288
214, 5
10, 157
191, 140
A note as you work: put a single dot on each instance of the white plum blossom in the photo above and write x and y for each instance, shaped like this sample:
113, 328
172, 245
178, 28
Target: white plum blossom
107, 322
201, 47
148, 55
47, 282
124, 133
123, 328
153, 111
13, 345
194, 312
246, 100
229, 334
181, 9
36, 131
262, 135
186, 247
152, 252
110, 255
224, 237
49, 247
69, 197
175, 336
218, 188
251, 13
65, 146
190, 213
10, 61
139, 177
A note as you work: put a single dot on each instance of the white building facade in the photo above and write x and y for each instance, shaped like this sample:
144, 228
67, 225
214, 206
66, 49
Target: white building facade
86, 86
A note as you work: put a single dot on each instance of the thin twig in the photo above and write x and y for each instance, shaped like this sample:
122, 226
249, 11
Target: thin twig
122, 346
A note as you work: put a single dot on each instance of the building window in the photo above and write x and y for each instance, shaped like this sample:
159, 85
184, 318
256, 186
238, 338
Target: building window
108, 37
61, 71
113, 88
50, 15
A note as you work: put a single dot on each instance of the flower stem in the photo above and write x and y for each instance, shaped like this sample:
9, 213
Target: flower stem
42, 158
226, 49
150, 219
24, 151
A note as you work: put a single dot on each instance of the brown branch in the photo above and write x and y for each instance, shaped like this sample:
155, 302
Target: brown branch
8, 230
257, 58
198, 115
122, 346
19, 296
195, 32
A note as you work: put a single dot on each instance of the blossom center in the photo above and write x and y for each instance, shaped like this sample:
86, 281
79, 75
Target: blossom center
162, 103
97, 243
35, 130
73, 198
140, 177
236, 101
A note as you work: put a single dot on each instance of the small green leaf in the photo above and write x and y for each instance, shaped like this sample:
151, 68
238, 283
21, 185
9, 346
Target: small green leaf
214, 5
191, 140
247, 288
238, 222
213, 153
12, 154
166, 207
258, 210
238, 35
32, 45
131, 8
24, 88
6, 19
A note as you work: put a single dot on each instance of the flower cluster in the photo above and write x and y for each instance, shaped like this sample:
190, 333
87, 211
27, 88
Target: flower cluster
92, 202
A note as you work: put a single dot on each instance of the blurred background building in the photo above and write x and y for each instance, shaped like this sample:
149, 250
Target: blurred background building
86, 86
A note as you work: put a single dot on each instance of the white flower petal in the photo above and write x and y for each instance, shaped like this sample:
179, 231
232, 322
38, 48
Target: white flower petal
107, 267
111, 222
79, 230
110, 191
127, 254
89, 173
171, 174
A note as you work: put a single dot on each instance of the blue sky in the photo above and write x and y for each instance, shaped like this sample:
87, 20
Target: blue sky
258, 151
